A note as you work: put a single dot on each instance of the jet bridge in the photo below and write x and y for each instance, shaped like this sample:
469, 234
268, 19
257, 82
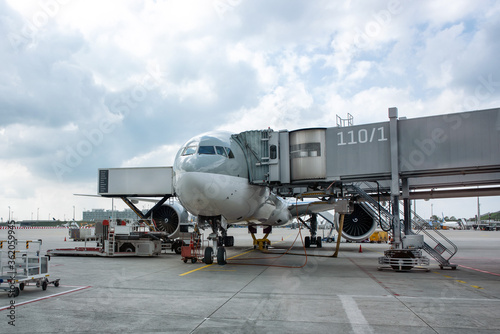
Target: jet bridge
461, 149
444, 156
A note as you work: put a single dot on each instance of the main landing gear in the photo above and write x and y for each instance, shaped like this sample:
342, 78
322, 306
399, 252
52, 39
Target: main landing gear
313, 228
219, 242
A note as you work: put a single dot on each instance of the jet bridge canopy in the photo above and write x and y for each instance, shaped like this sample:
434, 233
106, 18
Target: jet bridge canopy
445, 150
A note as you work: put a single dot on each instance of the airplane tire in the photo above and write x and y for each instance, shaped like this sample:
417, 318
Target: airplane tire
177, 246
209, 252
318, 242
221, 256
229, 241
307, 242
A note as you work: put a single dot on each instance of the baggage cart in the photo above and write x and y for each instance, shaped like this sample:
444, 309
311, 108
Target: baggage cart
193, 251
21, 266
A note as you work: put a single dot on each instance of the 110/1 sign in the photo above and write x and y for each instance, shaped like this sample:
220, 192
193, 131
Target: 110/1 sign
361, 136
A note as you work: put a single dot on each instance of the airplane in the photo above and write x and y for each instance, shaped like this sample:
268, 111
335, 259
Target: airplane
454, 225
211, 182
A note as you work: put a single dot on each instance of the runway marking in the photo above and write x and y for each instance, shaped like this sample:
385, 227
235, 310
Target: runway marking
209, 265
459, 281
219, 270
358, 322
192, 271
481, 271
47, 297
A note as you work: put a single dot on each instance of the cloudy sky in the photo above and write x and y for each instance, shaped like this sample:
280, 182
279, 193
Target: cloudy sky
92, 84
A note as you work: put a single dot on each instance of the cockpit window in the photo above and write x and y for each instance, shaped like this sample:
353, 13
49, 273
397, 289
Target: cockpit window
190, 150
229, 153
206, 150
221, 151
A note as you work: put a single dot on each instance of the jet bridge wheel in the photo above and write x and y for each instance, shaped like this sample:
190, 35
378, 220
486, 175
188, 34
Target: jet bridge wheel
16, 291
404, 257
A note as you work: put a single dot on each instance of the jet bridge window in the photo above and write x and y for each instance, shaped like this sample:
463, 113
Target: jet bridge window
273, 152
189, 150
305, 150
206, 150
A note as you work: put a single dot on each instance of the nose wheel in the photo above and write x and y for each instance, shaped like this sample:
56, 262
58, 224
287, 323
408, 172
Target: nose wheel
221, 256
209, 255
219, 239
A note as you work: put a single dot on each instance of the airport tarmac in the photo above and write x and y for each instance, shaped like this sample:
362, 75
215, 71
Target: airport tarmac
262, 292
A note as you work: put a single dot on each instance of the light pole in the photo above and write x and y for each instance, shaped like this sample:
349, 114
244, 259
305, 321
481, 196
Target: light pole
478, 211
9, 215
37, 213
73, 213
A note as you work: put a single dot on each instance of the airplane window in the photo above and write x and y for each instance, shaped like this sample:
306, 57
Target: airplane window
221, 151
206, 150
189, 150
229, 153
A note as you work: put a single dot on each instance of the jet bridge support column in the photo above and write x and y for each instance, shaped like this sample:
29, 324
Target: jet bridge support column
407, 206
396, 225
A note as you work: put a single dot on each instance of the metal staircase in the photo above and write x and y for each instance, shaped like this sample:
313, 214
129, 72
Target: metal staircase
381, 215
442, 249
439, 247
111, 242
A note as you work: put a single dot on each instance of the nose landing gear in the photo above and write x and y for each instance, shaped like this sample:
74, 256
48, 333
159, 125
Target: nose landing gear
217, 249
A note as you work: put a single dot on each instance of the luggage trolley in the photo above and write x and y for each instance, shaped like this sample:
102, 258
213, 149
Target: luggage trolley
22, 267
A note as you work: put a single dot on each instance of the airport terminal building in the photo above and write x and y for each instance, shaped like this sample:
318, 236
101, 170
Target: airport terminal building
101, 214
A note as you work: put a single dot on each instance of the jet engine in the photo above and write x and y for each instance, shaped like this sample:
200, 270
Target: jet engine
358, 226
169, 217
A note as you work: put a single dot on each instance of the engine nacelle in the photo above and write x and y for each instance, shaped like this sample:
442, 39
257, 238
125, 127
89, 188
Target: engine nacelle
358, 226
169, 217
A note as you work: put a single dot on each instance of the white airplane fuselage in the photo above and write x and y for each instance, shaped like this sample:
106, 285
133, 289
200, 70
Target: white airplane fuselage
211, 179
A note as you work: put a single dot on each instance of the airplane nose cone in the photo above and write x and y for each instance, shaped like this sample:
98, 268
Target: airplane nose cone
197, 193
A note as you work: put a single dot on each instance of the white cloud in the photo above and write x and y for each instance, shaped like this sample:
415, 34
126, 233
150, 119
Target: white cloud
161, 156
163, 71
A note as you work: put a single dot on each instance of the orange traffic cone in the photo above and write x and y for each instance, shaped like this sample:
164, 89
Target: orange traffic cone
64, 238
281, 238
360, 249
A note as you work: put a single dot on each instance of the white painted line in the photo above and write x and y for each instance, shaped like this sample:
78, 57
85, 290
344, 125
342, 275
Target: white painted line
358, 322
46, 297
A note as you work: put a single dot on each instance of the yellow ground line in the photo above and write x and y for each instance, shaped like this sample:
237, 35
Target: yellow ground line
209, 265
459, 281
